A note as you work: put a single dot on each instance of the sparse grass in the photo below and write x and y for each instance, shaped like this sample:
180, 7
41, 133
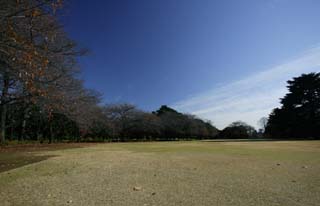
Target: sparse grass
169, 173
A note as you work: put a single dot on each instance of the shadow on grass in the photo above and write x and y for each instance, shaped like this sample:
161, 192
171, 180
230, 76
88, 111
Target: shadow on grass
14, 156
9, 161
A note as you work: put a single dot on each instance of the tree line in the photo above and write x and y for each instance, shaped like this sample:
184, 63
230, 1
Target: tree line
124, 122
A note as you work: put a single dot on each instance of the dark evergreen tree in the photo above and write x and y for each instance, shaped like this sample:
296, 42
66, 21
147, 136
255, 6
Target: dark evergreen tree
299, 115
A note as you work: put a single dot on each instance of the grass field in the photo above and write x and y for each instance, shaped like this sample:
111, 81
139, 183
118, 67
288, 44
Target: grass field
164, 173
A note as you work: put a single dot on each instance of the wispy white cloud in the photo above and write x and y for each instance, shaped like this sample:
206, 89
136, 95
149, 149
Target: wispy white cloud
250, 98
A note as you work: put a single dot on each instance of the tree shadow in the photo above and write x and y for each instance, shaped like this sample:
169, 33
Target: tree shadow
9, 161
15, 156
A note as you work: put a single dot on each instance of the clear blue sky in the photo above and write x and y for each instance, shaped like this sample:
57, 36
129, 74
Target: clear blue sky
196, 55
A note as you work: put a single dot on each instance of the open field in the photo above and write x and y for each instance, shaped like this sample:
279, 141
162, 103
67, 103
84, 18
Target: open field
164, 173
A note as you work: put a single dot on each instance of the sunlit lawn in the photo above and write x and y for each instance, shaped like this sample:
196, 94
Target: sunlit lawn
164, 173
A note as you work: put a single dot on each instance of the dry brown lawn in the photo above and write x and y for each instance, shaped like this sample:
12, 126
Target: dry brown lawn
164, 173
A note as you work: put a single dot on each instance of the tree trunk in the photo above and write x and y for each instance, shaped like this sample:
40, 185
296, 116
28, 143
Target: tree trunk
23, 131
3, 105
39, 138
51, 133
24, 122
3, 123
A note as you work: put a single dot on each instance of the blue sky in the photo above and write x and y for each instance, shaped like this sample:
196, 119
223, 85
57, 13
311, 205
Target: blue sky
222, 60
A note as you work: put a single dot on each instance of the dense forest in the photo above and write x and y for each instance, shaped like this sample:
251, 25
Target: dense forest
43, 99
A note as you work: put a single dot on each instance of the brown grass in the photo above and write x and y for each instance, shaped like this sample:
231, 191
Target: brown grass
170, 173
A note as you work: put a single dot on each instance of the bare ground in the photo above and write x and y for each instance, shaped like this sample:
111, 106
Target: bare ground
167, 173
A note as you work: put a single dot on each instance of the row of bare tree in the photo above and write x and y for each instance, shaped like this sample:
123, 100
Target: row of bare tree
116, 122
124, 122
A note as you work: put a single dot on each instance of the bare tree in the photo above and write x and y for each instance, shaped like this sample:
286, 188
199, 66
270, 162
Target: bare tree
263, 121
119, 114
36, 56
